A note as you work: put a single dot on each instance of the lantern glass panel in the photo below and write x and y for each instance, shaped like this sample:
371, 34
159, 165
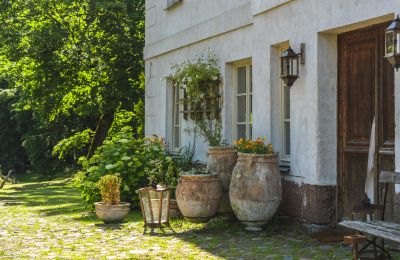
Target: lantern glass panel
389, 43
285, 70
155, 202
397, 50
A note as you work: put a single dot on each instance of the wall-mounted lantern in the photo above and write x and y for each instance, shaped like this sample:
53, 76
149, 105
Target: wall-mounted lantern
290, 62
392, 43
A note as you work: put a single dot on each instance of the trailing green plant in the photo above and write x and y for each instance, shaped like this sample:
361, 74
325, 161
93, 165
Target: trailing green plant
200, 78
109, 186
195, 75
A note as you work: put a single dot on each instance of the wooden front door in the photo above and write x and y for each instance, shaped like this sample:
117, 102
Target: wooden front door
365, 90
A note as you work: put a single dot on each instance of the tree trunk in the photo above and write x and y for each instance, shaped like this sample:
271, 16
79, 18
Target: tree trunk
102, 128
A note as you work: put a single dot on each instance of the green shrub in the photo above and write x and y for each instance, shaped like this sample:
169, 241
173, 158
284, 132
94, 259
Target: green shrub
123, 155
128, 158
109, 186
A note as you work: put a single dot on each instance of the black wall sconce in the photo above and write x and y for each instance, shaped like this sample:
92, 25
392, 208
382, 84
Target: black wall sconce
290, 62
392, 43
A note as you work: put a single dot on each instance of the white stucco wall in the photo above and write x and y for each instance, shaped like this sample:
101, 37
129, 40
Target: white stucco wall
243, 29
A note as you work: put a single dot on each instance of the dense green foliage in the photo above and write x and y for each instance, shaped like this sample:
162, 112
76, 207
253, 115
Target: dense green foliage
74, 68
121, 155
11, 150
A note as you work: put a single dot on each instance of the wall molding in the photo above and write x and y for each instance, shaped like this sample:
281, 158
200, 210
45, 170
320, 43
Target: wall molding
226, 22
262, 6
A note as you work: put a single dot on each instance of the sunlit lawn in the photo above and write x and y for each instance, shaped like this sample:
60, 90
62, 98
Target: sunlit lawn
48, 220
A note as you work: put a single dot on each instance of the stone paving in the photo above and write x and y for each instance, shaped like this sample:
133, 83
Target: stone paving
47, 221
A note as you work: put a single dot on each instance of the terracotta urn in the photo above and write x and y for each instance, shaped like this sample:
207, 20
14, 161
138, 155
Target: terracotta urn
222, 161
112, 213
198, 196
255, 190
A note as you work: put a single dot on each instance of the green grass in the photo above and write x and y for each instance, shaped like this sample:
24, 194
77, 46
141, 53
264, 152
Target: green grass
48, 219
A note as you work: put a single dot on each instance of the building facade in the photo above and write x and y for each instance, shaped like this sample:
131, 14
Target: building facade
321, 126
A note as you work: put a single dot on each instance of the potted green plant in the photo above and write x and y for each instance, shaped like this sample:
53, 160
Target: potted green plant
198, 194
255, 190
110, 209
163, 170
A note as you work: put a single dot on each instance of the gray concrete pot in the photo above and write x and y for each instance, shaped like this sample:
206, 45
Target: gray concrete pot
112, 213
198, 196
222, 161
255, 190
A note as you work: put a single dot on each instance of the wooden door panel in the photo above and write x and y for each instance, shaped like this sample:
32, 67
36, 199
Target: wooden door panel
360, 92
356, 167
365, 90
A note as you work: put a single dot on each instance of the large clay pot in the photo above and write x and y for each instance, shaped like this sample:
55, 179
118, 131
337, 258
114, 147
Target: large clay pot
112, 213
198, 196
255, 190
222, 160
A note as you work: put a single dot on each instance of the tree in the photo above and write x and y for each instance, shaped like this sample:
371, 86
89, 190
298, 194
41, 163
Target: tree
74, 60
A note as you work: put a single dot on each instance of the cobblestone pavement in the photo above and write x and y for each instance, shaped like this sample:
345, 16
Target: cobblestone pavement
47, 221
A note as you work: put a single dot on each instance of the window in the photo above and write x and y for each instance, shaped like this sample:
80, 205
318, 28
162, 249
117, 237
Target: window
243, 102
176, 118
285, 115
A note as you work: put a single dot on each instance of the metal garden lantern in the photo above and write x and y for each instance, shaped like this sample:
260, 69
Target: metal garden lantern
154, 203
289, 66
392, 43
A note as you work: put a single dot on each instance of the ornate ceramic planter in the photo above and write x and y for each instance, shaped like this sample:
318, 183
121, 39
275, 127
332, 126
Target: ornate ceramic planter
255, 190
222, 161
198, 196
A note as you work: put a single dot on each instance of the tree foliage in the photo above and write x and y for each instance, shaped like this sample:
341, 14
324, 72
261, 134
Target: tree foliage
75, 66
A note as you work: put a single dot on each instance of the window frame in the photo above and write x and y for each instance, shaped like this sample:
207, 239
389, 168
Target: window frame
176, 127
249, 96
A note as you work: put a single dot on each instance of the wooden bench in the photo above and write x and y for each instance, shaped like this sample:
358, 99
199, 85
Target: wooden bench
377, 229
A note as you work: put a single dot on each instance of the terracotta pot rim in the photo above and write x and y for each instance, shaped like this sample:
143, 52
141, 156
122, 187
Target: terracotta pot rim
217, 148
198, 175
121, 204
257, 155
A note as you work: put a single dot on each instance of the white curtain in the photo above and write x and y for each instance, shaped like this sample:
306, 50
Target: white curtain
370, 180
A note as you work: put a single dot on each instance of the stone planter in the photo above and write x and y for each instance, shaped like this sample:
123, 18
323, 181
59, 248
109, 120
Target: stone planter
255, 190
112, 213
198, 196
222, 161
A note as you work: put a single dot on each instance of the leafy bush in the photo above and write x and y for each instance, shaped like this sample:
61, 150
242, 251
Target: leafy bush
109, 186
127, 158
123, 155
73, 146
